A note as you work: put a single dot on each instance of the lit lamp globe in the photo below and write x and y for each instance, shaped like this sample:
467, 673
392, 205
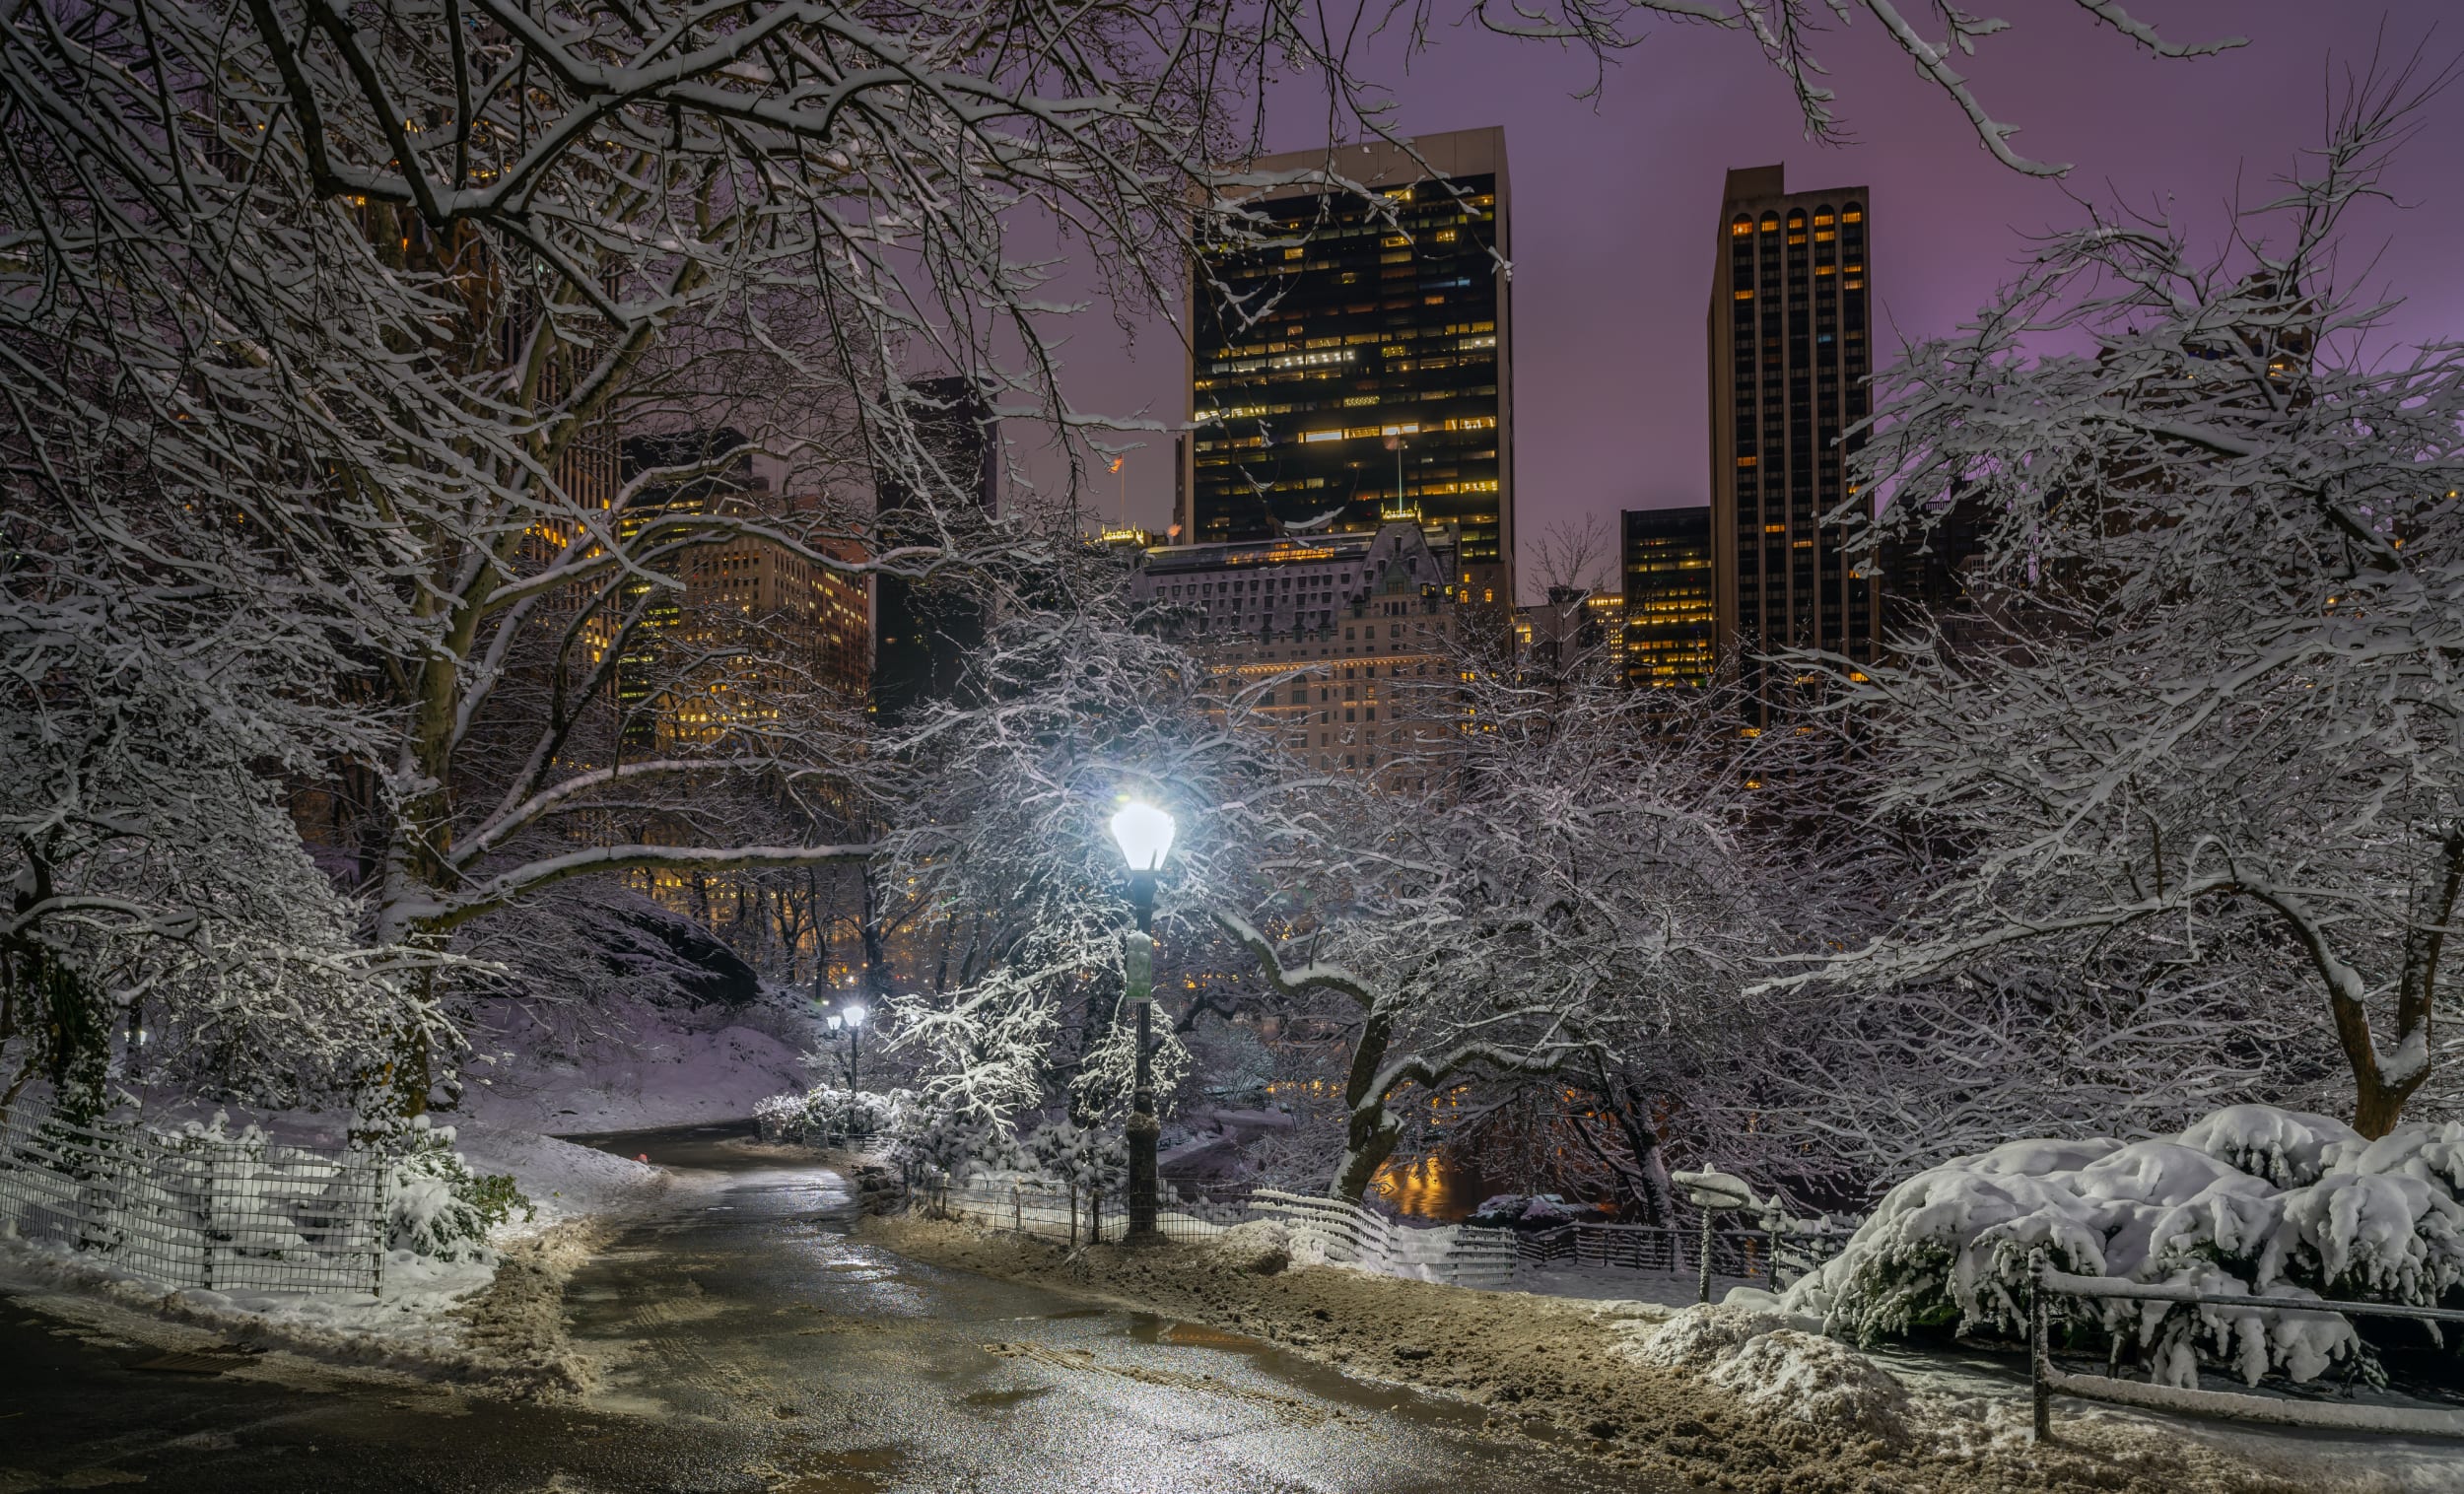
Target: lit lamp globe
855, 1016
1144, 834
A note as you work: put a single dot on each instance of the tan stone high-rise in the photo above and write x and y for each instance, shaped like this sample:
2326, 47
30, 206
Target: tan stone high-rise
1790, 350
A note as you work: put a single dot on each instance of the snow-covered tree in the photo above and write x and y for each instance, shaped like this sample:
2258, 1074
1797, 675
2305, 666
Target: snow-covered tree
320, 321
1002, 853
2203, 717
1564, 913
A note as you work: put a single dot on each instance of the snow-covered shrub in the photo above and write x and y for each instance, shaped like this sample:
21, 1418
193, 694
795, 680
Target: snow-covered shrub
1532, 1211
2248, 1202
435, 1205
959, 1142
823, 1110
1070, 1156
2286, 1147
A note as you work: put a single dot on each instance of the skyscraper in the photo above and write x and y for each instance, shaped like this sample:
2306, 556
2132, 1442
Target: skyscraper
1355, 368
923, 634
1789, 355
1669, 616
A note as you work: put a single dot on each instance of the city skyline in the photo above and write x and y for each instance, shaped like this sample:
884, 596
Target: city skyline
1610, 275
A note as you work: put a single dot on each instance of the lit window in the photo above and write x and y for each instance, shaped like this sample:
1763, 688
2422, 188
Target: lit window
1745, 296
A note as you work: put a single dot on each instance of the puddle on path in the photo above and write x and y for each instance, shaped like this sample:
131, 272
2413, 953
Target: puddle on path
851, 1470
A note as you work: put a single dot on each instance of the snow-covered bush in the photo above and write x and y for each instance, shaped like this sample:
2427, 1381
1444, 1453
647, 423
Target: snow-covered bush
1071, 1156
435, 1205
1533, 1212
2251, 1200
824, 1110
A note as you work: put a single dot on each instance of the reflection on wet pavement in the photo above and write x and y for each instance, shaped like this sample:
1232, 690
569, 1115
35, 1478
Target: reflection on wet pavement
751, 1343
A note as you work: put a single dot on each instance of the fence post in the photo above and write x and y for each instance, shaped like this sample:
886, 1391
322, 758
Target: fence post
1017, 1220
381, 1188
2039, 1391
205, 1211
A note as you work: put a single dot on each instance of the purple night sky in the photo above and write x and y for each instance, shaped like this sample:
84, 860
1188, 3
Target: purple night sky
1615, 206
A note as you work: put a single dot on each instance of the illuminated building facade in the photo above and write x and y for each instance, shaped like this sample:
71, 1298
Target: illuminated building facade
1355, 368
1789, 353
1670, 623
778, 631
1359, 614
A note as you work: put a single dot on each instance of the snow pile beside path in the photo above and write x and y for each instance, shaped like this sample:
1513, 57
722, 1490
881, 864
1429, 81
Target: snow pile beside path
1778, 1371
2251, 1200
563, 1181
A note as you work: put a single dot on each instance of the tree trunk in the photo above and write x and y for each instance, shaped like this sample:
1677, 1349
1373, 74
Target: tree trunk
2379, 1108
1370, 1129
1368, 1143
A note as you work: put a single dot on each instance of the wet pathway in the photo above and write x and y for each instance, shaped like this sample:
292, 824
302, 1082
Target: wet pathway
755, 1345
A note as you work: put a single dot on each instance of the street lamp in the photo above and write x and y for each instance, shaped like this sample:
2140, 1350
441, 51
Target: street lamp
1144, 834
852, 1018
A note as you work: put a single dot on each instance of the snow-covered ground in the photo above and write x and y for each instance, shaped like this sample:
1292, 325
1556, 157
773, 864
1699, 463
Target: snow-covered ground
429, 1317
658, 1075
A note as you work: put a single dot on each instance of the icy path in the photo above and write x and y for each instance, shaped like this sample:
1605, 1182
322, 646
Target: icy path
751, 1345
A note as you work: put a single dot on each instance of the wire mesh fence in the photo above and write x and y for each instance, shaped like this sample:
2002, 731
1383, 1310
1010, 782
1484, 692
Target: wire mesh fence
223, 1214
1742, 1254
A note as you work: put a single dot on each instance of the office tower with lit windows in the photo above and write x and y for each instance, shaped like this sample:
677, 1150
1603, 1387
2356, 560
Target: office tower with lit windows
1790, 350
1355, 368
1671, 620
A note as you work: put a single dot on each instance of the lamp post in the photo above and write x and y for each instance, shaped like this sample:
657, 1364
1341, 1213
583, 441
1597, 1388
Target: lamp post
851, 1019
1144, 834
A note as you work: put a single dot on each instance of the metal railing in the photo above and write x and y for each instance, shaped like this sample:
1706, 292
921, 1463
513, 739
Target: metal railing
1451, 1254
2044, 1283
1069, 1216
221, 1213
1454, 1253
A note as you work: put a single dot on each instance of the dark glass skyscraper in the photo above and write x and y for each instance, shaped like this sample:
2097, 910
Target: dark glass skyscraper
1670, 621
923, 634
1355, 370
1789, 356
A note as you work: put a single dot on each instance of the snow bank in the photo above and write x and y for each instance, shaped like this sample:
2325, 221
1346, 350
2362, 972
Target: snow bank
563, 1181
662, 1075
2250, 1200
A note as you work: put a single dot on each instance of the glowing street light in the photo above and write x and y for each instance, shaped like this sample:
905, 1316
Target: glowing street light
1145, 834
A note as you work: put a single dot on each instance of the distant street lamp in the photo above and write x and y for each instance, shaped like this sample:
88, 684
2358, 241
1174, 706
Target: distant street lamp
1144, 834
852, 1018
